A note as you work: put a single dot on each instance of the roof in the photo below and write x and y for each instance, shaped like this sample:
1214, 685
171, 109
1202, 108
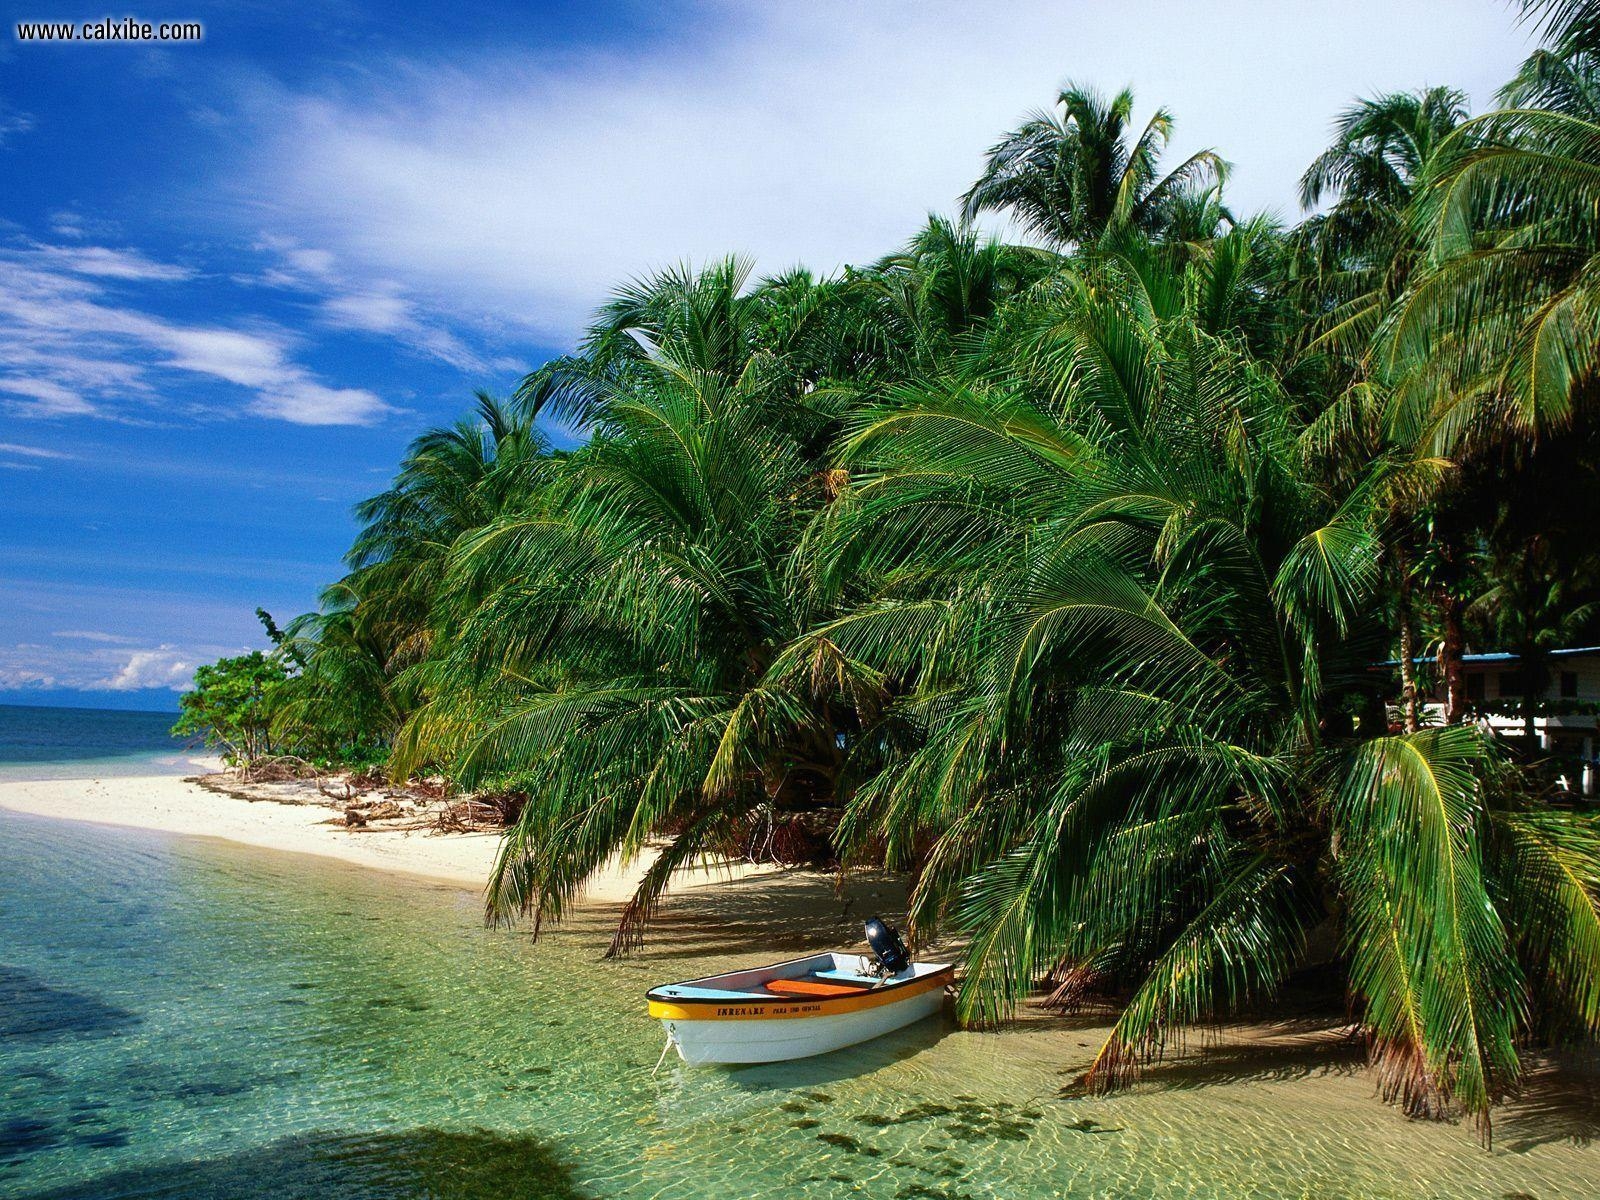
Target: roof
1499, 656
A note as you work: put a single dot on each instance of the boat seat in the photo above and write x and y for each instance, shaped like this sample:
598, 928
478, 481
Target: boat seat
813, 987
849, 977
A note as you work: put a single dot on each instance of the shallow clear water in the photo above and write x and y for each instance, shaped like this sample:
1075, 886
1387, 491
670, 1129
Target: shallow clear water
70, 743
189, 1019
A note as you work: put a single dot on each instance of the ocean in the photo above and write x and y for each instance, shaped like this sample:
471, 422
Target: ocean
192, 1019
68, 743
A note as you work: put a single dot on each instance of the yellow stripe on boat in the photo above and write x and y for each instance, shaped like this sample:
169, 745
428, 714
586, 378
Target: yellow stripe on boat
778, 1007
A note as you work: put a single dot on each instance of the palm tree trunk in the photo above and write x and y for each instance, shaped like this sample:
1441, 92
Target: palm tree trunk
1408, 652
1532, 686
1450, 650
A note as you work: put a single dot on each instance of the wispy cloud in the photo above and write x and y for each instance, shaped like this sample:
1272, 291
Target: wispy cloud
95, 635
22, 451
70, 346
69, 223
13, 122
46, 397
524, 185
110, 263
348, 301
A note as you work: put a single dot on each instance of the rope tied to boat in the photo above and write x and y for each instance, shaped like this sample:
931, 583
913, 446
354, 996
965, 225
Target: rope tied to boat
671, 1041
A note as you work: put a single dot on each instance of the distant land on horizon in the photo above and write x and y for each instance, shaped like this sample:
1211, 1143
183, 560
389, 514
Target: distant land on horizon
159, 700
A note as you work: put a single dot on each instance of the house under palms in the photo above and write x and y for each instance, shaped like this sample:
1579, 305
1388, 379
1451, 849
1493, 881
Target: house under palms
1566, 715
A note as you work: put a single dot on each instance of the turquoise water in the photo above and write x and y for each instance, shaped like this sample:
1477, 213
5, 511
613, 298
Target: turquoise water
185, 1018
69, 743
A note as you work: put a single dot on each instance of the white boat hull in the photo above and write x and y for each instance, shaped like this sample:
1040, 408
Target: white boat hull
796, 1009
756, 1040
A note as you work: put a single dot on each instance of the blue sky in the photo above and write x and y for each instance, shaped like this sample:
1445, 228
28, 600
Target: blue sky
237, 277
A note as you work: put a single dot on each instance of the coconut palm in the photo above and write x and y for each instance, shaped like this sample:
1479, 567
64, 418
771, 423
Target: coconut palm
946, 282
380, 619
1130, 634
1564, 80
1503, 317
1072, 176
1360, 253
628, 618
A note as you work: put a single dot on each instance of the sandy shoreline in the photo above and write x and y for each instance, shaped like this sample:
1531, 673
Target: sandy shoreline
172, 805
779, 912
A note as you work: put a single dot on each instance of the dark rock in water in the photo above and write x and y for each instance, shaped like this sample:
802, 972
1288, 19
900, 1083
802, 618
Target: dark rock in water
806, 1123
102, 1139
438, 1164
22, 1136
1088, 1125
33, 1011
997, 1122
845, 1142
793, 1106
211, 1089
921, 1191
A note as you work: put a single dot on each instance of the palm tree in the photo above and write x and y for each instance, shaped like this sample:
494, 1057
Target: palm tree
1052, 576
1071, 177
1355, 260
945, 283
379, 621
1362, 250
625, 622
1127, 633
1564, 79
1505, 313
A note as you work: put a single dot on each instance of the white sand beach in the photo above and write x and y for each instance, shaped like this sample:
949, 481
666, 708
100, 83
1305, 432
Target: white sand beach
175, 805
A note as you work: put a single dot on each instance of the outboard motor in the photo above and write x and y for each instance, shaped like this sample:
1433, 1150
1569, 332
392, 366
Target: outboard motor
887, 947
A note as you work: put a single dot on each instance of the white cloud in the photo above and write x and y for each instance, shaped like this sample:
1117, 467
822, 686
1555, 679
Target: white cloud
47, 398
92, 633
521, 183
164, 667
351, 302
110, 263
65, 338
13, 122
31, 451
20, 678
70, 223
303, 401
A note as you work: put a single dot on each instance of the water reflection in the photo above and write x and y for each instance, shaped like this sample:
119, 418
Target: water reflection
33, 1011
406, 1165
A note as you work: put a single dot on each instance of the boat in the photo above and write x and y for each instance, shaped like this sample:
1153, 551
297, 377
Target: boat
801, 1007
